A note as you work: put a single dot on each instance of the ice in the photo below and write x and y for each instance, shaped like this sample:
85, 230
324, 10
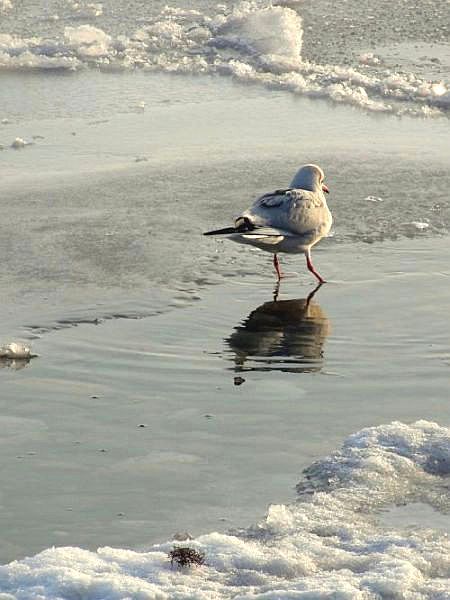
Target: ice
253, 42
369, 58
420, 225
16, 350
328, 544
269, 31
439, 89
33, 53
19, 143
5, 5
373, 199
88, 41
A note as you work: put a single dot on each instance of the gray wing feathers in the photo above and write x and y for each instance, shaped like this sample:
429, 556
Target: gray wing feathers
273, 199
295, 212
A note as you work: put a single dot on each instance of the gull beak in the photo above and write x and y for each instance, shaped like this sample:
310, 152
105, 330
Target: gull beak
325, 188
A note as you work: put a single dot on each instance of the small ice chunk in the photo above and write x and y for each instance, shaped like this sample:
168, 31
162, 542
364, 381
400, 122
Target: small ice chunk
5, 5
88, 42
419, 225
20, 143
16, 350
439, 89
373, 199
5, 121
369, 58
139, 106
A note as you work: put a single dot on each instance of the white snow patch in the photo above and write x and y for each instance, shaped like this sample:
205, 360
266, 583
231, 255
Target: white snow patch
88, 41
326, 545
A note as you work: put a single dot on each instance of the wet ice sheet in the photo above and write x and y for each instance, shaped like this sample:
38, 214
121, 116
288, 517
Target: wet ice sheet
431, 60
416, 515
130, 233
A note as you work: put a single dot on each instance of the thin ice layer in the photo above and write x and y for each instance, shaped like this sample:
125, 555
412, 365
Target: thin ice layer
326, 545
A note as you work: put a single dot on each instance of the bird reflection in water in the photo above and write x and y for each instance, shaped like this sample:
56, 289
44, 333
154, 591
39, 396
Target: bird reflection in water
283, 335
16, 364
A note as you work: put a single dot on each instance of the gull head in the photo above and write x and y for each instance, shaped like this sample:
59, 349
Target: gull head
309, 177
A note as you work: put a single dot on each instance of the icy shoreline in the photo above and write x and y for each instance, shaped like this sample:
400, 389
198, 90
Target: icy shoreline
326, 543
252, 43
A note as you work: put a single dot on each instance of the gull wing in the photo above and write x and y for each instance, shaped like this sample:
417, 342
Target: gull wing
296, 212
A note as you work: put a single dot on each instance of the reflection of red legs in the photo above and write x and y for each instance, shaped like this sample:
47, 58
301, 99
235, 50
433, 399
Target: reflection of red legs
312, 294
276, 264
311, 267
276, 291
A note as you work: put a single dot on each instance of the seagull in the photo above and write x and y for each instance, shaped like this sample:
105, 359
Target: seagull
290, 220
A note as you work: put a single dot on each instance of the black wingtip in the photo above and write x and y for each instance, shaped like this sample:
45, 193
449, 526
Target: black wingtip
225, 231
242, 224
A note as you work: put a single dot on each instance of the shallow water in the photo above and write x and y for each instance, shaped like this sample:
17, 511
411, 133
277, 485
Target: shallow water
132, 430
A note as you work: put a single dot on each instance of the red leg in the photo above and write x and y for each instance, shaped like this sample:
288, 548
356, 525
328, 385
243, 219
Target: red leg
312, 269
276, 264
